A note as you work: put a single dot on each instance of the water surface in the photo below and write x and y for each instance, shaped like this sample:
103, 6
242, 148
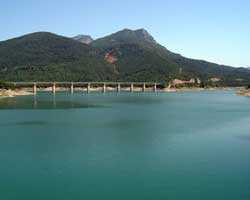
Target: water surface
125, 146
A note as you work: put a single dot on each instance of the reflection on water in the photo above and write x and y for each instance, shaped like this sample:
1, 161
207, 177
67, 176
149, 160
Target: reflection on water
62, 100
46, 101
27, 123
244, 137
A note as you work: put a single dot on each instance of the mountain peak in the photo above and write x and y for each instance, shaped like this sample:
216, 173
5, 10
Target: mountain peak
85, 39
128, 35
144, 34
142, 31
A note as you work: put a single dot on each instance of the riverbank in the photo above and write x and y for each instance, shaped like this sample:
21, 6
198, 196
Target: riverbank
244, 92
198, 89
12, 93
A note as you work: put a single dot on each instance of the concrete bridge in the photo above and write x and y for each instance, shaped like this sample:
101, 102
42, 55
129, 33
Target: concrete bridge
88, 86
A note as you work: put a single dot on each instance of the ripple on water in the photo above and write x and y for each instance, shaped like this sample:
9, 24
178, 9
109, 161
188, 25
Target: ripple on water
244, 137
27, 123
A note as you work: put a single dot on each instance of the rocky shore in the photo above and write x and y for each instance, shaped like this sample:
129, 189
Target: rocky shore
197, 89
244, 92
12, 93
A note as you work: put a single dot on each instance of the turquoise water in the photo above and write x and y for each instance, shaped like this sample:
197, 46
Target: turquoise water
125, 146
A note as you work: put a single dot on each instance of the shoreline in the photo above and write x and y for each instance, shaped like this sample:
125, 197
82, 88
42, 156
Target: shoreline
244, 92
5, 93
197, 89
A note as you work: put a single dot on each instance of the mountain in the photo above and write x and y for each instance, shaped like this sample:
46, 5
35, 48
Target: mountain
137, 56
46, 56
128, 55
133, 57
85, 39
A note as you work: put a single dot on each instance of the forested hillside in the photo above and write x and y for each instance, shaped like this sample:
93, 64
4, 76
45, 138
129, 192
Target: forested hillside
123, 56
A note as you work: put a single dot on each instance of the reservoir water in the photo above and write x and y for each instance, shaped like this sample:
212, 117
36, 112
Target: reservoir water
193, 145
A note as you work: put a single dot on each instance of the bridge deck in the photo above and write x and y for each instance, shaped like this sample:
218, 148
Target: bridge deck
85, 83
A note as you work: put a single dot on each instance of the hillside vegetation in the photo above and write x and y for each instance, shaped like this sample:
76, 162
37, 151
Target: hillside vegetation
123, 56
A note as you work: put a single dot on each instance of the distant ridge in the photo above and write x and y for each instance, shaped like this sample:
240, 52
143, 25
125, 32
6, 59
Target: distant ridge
127, 55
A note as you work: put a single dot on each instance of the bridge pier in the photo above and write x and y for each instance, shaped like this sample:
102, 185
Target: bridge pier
118, 87
144, 87
54, 88
88, 88
34, 89
72, 88
104, 88
155, 87
132, 87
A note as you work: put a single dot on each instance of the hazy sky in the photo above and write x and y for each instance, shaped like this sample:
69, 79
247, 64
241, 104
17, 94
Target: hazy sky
214, 30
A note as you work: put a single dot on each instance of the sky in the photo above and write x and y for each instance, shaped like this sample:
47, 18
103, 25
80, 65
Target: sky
212, 30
